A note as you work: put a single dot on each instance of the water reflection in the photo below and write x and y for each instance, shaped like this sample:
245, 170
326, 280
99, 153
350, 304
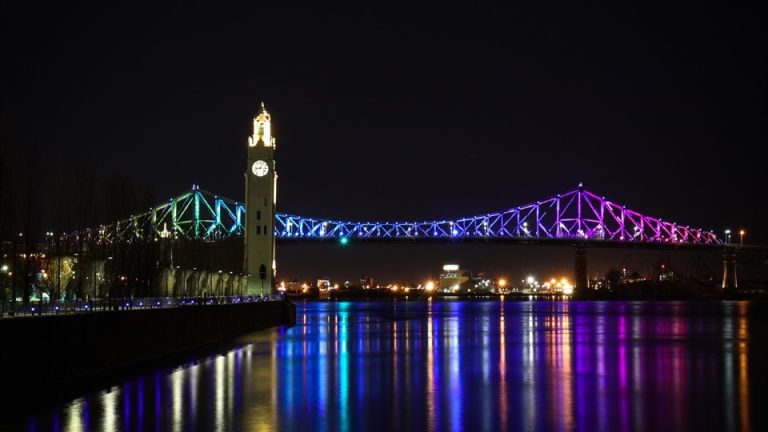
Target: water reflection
453, 366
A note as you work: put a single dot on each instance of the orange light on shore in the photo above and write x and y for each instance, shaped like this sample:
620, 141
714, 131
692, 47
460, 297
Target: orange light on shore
502, 283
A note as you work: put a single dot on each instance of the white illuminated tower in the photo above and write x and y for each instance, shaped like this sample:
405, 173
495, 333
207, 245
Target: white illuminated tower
260, 199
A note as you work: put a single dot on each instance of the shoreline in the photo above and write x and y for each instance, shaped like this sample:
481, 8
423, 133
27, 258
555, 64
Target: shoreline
46, 354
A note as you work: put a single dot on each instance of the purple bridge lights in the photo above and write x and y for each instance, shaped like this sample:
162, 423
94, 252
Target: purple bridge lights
577, 215
579, 218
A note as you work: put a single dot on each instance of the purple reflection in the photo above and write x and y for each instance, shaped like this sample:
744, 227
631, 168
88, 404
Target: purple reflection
86, 414
127, 406
439, 365
623, 379
140, 402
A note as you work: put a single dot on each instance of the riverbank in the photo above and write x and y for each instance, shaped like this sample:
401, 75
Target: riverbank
650, 294
41, 354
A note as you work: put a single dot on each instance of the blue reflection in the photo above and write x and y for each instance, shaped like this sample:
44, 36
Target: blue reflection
439, 365
343, 369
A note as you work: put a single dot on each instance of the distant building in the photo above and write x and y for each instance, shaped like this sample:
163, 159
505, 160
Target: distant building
366, 282
294, 286
481, 283
452, 278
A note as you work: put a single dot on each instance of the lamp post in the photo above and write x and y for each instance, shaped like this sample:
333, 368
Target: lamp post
727, 236
741, 237
3, 273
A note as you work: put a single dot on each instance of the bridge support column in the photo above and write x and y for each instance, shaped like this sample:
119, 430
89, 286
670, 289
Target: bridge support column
580, 277
729, 269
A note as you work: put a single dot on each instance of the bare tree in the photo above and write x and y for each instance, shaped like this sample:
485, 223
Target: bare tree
30, 214
7, 205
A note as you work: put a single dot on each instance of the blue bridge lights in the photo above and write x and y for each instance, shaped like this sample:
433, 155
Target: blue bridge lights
577, 214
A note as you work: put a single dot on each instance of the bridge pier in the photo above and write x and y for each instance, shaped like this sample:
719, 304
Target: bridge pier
580, 277
730, 281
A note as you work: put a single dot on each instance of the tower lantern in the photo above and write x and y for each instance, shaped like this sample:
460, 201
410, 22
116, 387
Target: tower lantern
262, 129
260, 198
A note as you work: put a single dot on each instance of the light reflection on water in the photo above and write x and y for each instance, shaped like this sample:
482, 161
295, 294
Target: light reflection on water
453, 366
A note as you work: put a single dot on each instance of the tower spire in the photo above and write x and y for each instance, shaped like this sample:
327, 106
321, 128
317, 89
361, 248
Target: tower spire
262, 129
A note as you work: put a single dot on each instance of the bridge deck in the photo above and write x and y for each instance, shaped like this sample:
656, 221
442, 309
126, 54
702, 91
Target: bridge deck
608, 244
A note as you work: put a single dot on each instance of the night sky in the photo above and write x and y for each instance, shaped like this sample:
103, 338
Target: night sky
406, 115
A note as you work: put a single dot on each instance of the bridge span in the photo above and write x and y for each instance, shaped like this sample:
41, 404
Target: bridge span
578, 218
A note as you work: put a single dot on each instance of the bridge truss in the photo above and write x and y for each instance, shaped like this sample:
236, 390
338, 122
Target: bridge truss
577, 215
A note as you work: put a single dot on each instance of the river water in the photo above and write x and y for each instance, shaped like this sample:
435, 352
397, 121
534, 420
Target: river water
455, 365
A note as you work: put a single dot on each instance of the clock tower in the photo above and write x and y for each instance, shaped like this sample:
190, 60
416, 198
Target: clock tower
260, 198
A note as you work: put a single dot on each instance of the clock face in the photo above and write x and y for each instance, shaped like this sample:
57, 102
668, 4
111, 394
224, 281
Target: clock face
260, 168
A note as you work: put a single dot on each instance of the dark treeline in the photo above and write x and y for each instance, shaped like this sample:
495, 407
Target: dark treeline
36, 201
33, 201
83, 197
47, 254
7, 195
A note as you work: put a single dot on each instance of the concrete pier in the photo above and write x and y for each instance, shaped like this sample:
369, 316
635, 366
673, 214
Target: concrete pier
40, 353
580, 275
730, 281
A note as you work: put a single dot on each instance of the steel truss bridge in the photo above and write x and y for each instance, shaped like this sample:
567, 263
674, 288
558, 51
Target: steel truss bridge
575, 216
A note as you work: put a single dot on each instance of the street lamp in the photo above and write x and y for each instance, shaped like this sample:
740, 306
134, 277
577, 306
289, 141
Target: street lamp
727, 236
741, 237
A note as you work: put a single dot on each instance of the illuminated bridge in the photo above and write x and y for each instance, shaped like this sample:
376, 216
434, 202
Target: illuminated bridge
577, 216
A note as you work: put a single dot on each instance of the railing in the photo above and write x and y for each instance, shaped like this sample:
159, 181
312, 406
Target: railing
59, 307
